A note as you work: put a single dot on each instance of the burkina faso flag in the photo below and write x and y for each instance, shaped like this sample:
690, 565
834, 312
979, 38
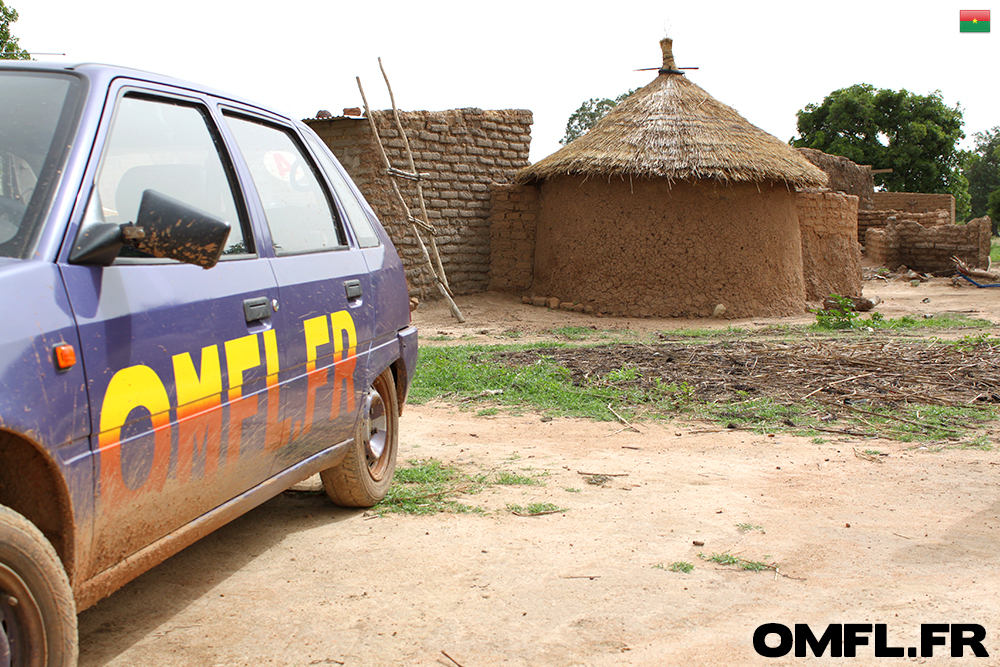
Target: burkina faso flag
974, 20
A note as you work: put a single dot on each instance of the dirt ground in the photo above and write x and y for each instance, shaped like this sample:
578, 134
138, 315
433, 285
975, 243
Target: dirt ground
907, 539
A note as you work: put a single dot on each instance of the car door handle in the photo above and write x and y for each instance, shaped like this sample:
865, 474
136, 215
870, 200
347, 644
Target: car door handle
256, 309
353, 289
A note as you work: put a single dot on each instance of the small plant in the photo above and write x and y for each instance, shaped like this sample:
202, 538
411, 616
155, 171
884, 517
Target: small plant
571, 489
488, 412
841, 316
535, 509
726, 558
678, 396
574, 333
749, 527
507, 478
511, 333
681, 566
623, 374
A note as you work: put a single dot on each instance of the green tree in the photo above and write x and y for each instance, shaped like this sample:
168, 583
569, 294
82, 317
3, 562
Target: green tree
982, 169
591, 111
993, 208
914, 135
9, 49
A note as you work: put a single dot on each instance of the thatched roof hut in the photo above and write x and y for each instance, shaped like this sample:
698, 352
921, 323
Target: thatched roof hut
675, 130
670, 206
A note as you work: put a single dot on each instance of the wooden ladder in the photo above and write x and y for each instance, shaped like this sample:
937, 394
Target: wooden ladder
416, 224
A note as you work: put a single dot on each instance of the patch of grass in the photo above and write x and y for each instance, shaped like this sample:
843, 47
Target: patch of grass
970, 343
574, 333
681, 566
511, 333
475, 372
426, 487
440, 337
571, 489
838, 320
981, 443
623, 374
749, 527
535, 509
507, 478
761, 415
488, 412
995, 250
726, 558
470, 371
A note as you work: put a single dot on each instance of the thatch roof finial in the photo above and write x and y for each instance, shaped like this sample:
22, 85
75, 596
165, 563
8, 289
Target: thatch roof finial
669, 67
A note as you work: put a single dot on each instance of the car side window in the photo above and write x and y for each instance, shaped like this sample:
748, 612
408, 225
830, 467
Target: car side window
297, 206
364, 232
164, 145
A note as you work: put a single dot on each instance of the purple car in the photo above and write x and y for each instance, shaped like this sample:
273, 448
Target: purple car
200, 310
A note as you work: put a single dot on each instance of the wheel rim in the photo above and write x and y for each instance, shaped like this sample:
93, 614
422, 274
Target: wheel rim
376, 434
23, 630
4, 644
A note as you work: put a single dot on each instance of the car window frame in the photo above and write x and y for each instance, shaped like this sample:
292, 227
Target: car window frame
344, 233
203, 105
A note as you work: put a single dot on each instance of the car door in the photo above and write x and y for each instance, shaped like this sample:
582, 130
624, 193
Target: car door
326, 310
177, 357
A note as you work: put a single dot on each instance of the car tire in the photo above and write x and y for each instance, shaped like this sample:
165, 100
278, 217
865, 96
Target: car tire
37, 609
363, 477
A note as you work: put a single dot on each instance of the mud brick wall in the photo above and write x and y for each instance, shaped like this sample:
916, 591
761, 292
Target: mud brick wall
513, 222
462, 152
880, 218
929, 249
844, 176
915, 202
831, 255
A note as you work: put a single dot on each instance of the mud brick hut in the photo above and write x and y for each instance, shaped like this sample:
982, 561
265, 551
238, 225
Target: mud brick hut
671, 205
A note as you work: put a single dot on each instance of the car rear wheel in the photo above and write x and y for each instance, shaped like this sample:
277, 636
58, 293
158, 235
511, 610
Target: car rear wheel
37, 610
362, 479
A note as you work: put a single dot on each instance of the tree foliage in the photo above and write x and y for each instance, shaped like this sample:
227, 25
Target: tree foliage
9, 48
591, 111
982, 169
914, 135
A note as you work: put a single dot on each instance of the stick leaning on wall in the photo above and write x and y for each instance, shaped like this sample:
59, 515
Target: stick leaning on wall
416, 224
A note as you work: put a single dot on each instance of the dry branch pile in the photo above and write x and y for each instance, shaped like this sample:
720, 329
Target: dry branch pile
874, 372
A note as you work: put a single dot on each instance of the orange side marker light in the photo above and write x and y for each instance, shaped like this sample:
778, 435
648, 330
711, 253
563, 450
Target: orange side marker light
65, 356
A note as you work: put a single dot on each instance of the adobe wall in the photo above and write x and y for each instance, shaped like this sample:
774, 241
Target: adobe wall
881, 218
513, 221
831, 254
462, 152
645, 248
844, 176
915, 202
929, 249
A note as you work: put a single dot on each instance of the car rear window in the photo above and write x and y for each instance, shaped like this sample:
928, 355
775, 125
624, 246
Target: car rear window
37, 114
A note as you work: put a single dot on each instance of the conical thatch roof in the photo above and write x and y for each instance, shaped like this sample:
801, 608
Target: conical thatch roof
673, 129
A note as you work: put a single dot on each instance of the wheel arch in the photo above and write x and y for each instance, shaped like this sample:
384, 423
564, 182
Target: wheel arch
31, 485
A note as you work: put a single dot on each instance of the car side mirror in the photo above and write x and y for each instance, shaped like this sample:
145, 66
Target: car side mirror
164, 227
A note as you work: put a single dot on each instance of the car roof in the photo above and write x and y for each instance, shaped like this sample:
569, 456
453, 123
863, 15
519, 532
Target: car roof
100, 75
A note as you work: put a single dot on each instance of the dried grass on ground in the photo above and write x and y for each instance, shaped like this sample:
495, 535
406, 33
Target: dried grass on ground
878, 372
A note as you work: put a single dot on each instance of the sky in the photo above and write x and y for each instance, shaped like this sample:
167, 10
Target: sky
766, 59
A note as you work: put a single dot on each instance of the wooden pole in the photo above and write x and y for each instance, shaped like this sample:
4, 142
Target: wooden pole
413, 168
442, 287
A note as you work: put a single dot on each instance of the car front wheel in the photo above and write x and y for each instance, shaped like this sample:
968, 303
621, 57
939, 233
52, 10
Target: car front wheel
37, 610
362, 479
